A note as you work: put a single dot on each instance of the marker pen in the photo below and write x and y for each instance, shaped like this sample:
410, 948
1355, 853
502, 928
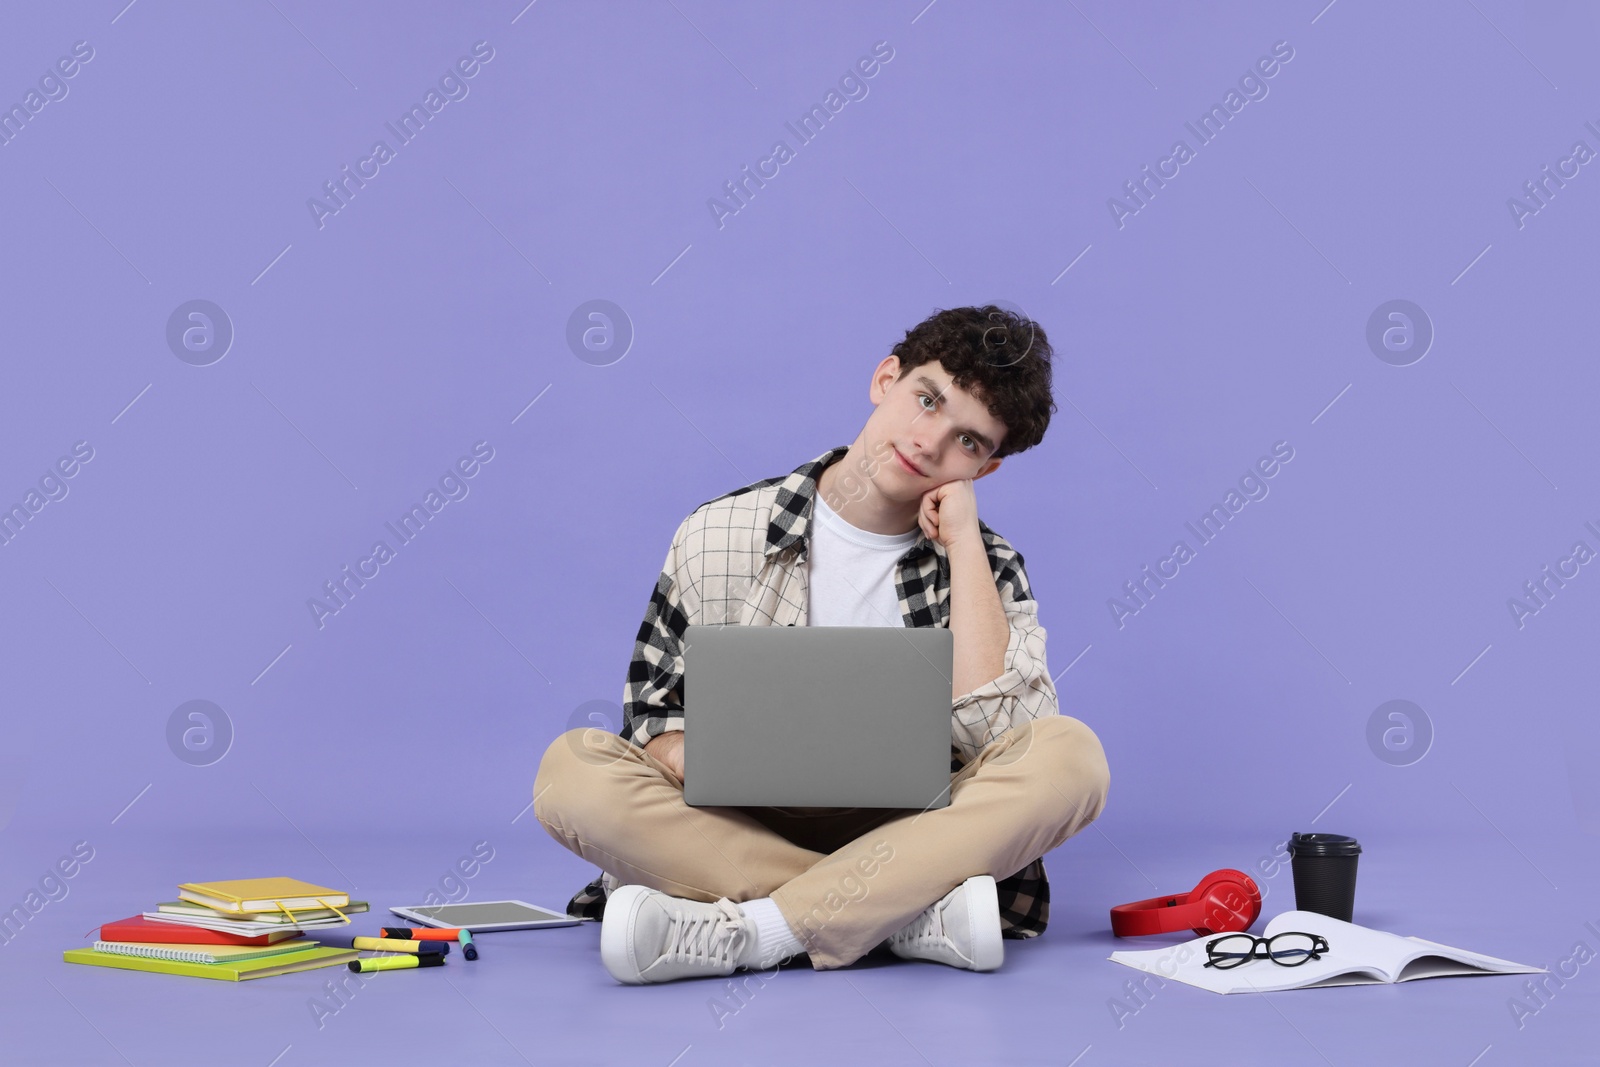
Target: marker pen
437, 933
389, 944
425, 933
397, 963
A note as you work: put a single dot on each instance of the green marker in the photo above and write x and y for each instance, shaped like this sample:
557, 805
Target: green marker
397, 963
468, 949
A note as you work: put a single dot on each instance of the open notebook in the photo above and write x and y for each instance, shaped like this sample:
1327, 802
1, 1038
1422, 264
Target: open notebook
1355, 956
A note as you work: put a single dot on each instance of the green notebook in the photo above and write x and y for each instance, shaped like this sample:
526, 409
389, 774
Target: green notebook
236, 971
202, 953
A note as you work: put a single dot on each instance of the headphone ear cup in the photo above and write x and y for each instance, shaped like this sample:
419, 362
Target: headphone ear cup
1229, 902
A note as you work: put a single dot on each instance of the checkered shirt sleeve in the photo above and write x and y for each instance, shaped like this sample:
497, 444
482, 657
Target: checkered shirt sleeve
652, 697
1024, 690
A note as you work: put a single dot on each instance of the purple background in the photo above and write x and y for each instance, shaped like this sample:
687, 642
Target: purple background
369, 354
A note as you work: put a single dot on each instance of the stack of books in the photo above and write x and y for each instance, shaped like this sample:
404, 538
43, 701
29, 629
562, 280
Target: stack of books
231, 930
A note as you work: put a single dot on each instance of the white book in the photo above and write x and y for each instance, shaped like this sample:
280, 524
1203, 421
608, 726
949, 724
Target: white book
230, 926
184, 907
1355, 956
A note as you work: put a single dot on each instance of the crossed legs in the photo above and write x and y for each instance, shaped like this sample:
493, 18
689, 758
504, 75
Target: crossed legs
844, 880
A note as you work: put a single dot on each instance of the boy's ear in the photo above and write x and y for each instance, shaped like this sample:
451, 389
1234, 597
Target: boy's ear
883, 378
989, 467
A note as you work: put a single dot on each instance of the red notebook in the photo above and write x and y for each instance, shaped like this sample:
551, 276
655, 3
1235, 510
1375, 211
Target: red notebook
138, 928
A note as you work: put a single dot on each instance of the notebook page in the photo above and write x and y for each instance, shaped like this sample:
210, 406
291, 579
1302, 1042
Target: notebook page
1186, 963
1432, 965
1349, 946
1181, 962
1356, 956
1393, 957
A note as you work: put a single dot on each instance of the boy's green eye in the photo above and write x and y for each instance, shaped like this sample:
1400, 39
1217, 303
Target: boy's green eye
973, 446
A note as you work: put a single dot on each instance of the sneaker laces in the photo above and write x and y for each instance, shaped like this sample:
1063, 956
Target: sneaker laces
924, 931
714, 937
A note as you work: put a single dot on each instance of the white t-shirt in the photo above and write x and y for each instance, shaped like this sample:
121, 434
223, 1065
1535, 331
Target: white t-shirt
852, 572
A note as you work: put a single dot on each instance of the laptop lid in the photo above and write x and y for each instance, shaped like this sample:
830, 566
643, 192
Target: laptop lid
817, 716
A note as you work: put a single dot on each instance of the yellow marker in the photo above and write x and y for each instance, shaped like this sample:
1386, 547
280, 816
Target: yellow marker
391, 944
397, 963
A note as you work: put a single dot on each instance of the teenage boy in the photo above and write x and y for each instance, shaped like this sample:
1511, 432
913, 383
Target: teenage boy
883, 532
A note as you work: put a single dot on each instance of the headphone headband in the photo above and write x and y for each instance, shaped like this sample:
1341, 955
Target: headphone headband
1224, 901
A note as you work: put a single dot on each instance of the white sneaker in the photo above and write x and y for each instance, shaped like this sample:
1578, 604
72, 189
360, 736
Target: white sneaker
650, 936
962, 930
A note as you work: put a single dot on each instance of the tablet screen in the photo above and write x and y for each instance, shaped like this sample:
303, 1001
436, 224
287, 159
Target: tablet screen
488, 913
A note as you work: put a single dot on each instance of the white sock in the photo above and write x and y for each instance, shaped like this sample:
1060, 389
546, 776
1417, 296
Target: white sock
774, 940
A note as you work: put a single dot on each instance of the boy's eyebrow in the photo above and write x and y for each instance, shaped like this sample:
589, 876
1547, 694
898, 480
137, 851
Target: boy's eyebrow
928, 384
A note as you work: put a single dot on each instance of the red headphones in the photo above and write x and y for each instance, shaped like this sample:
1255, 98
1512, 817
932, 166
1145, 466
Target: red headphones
1224, 902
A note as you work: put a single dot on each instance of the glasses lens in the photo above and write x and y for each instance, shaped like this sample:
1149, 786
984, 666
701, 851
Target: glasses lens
1231, 951
1291, 949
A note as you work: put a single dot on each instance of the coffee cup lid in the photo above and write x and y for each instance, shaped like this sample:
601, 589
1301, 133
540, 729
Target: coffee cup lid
1323, 845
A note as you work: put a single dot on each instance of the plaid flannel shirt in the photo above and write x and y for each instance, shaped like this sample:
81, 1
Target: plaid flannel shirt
740, 559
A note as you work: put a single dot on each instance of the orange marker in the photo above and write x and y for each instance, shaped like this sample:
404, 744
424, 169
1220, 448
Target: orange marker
423, 933
437, 933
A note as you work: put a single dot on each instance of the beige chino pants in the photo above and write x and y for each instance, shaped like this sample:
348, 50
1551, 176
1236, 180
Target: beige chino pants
844, 879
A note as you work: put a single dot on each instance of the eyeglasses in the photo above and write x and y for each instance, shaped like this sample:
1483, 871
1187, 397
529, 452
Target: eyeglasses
1288, 949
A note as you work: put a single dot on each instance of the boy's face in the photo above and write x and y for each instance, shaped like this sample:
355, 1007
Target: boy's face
945, 433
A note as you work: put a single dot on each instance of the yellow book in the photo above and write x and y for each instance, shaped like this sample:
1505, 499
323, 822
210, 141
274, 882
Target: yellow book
243, 895
239, 971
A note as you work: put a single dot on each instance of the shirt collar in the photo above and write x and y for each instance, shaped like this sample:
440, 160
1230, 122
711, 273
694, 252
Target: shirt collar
790, 520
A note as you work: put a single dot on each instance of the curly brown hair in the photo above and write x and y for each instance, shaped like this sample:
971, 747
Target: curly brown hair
999, 356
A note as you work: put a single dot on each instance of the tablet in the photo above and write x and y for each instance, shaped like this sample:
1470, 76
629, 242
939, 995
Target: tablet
486, 915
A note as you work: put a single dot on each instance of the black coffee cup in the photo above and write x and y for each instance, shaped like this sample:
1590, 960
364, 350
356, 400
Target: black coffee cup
1325, 873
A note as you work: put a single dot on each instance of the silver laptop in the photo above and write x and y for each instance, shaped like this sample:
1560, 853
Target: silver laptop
817, 716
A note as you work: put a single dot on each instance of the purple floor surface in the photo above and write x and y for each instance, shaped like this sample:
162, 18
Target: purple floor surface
544, 997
